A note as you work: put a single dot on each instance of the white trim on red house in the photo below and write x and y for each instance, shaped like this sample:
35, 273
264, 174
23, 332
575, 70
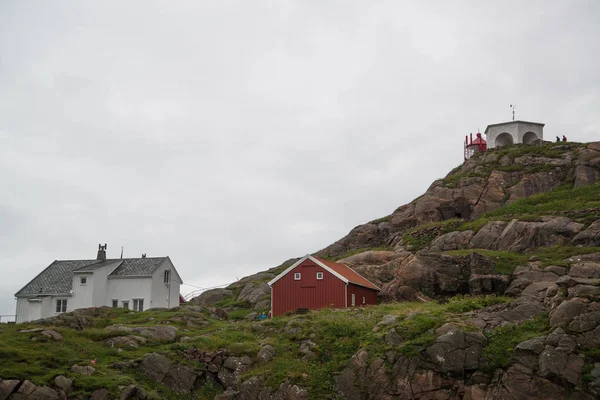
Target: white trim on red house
319, 263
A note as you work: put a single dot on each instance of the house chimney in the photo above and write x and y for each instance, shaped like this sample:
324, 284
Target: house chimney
101, 252
143, 255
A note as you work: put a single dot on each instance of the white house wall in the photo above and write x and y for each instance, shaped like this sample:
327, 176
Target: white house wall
163, 295
32, 310
82, 294
100, 286
128, 289
27, 310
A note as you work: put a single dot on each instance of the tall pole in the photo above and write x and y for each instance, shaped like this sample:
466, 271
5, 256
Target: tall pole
513, 106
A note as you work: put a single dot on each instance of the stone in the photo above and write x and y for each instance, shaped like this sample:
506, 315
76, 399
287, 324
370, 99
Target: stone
587, 320
565, 312
451, 241
585, 270
490, 283
8, 387
212, 296
585, 291
585, 175
590, 236
517, 286
130, 341
561, 362
487, 236
254, 291
83, 369
527, 352
251, 316
556, 270
456, 351
385, 321
219, 313
64, 383
233, 368
158, 333
128, 392
119, 328
100, 394
43, 393
27, 388
306, 348
155, 366
265, 354
392, 338
521, 235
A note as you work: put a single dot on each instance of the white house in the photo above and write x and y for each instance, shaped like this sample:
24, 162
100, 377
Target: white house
134, 283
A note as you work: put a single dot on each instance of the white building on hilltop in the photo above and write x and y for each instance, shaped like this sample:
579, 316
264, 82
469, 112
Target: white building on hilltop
66, 285
513, 132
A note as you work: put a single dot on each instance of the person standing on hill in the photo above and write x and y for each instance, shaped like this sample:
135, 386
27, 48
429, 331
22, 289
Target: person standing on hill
557, 139
564, 138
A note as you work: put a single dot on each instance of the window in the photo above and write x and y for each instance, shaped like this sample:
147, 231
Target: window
319, 275
297, 276
364, 300
126, 305
353, 300
61, 305
115, 303
167, 276
138, 304
83, 280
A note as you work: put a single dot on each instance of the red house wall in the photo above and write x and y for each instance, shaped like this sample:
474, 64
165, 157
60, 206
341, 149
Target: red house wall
287, 294
359, 292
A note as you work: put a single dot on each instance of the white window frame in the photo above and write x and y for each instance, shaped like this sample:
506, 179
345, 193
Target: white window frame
319, 276
115, 303
61, 306
353, 302
125, 303
137, 303
364, 300
297, 276
83, 280
167, 276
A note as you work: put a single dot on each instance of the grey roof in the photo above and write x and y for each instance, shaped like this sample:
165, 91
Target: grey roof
57, 278
98, 265
138, 266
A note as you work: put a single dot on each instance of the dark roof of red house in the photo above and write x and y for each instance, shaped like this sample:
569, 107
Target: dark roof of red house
348, 273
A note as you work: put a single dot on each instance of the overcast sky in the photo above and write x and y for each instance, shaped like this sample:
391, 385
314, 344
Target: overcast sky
232, 136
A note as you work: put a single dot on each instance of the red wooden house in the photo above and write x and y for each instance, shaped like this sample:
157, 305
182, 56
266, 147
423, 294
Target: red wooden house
313, 283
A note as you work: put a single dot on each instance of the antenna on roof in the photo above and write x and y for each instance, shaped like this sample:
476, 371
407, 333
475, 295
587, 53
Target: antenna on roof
514, 107
121, 252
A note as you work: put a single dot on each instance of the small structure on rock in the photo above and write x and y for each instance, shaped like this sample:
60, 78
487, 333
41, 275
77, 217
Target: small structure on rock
503, 134
312, 283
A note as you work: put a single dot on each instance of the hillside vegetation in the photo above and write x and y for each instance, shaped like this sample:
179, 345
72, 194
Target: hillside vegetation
490, 289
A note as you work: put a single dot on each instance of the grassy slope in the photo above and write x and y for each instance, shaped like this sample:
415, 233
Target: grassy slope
337, 335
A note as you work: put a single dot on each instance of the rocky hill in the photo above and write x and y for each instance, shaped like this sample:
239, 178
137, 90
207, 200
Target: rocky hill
491, 290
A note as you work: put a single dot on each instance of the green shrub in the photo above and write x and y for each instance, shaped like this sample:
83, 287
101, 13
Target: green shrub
502, 340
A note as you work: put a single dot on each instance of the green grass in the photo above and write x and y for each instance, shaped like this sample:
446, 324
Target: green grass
387, 218
353, 252
452, 180
562, 199
422, 236
505, 262
503, 340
